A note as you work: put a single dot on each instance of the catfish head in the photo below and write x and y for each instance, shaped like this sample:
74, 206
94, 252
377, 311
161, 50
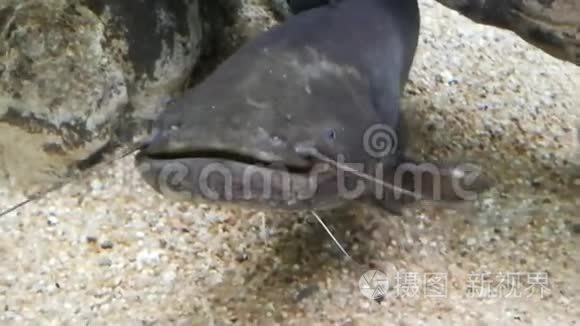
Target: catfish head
260, 158
255, 156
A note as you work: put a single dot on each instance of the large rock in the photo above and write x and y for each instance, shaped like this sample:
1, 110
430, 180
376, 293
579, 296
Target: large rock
77, 78
551, 25
80, 80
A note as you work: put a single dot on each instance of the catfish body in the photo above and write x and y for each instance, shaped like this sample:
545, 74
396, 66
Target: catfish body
277, 123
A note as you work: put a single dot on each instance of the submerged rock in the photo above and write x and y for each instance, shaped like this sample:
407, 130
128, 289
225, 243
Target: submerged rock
78, 78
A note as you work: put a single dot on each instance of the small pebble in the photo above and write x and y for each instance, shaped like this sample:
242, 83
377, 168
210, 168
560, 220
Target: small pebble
96, 185
146, 257
242, 257
107, 244
307, 292
445, 77
105, 262
52, 220
169, 277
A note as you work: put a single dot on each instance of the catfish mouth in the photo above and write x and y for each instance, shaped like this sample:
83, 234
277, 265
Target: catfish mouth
300, 166
230, 176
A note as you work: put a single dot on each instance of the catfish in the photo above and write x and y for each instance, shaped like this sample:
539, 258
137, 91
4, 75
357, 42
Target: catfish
306, 116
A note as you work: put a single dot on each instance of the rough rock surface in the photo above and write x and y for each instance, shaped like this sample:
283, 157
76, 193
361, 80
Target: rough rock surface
553, 26
79, 80
108, 250
79, 77
229, 23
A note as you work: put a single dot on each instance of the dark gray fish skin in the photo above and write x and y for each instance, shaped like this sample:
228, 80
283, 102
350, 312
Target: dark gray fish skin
314, 84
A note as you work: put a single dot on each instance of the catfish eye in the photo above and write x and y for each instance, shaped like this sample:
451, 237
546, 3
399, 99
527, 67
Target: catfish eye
331, 134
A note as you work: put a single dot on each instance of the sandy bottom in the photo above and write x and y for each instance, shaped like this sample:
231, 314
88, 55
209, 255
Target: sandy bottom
108, 250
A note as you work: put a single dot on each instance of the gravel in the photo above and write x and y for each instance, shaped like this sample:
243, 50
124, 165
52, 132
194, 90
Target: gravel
108, 250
